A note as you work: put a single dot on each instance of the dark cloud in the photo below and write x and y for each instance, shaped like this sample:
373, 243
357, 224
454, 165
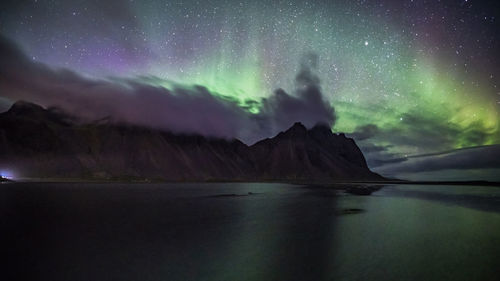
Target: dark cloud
307, 105
364, 132
379, 155
186, 110
476, 133
419, 130
416, 130
480, 157
369, 148
378, 162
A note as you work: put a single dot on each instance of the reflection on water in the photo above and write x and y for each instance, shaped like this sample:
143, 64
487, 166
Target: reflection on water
248, 232
484, 198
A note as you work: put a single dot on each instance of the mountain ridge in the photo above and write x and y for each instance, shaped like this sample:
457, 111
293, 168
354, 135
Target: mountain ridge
48, 143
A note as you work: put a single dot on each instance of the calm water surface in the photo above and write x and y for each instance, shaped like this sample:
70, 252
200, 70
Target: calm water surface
221, 232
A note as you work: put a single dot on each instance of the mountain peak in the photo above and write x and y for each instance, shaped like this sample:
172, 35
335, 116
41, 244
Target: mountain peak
321, 129
35, 112
298, 125
24, 107
298, 129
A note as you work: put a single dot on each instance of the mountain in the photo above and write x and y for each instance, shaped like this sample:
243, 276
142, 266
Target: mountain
47, 143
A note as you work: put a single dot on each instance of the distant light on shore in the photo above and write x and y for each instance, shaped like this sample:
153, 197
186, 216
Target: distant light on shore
6, 174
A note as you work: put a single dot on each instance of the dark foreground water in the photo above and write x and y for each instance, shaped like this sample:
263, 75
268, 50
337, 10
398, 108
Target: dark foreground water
220, 232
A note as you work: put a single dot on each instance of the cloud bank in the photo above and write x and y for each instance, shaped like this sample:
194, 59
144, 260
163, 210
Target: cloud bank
481, 157
481, 162
470, 162
183, 109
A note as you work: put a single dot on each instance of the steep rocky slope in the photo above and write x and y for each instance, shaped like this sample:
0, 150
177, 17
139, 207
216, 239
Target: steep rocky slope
47, 143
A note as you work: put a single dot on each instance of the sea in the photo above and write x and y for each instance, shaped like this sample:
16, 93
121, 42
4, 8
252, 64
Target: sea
247, 231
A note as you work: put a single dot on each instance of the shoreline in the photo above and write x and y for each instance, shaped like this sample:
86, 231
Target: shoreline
295, 182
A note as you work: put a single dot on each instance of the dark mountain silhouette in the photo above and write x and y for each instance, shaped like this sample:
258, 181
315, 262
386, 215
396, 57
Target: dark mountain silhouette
48, 143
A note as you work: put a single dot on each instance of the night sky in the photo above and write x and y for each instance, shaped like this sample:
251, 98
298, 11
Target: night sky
416, 83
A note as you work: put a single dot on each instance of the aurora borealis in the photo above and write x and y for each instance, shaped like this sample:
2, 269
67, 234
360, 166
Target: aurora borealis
405, 78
